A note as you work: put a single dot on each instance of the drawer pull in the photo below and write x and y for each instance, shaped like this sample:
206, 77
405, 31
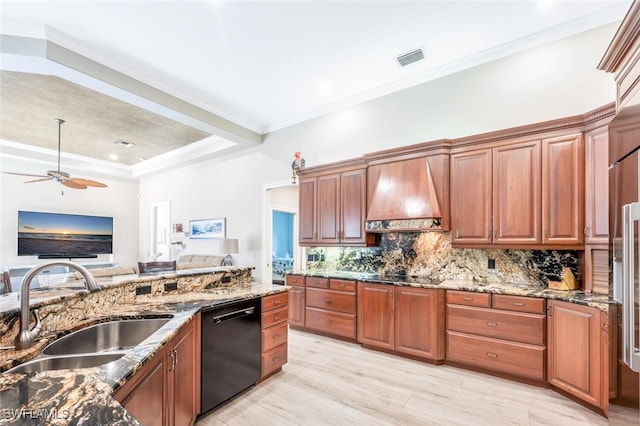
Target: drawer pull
492, 355
276, 301
329, 322
276, 359
492, 324
328, 301
468, 299
276, 318
518, 304
277, 337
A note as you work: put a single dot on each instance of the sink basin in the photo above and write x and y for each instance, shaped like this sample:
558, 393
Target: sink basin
106, 337
65, 362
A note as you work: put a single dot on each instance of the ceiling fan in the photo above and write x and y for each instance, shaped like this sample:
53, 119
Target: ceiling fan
60, 176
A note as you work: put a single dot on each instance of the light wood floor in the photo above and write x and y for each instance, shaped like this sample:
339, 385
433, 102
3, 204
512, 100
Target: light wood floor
330, 382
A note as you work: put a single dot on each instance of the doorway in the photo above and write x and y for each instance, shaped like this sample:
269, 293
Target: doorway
280, 250
160, 223
281, 245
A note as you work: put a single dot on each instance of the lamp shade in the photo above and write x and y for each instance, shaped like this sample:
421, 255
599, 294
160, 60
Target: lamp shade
228, 246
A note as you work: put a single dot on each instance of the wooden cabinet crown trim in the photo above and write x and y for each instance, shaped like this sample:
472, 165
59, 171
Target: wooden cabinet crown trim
625, 37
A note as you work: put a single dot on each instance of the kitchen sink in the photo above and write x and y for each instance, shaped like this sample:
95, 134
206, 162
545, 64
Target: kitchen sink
111, 336
65, 362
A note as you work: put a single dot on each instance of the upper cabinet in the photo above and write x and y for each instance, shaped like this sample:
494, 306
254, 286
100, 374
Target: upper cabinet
563, 190
333, 207
520, 193
596, 153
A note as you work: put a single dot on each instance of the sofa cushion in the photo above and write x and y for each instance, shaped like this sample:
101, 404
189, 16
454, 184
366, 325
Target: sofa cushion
188, 261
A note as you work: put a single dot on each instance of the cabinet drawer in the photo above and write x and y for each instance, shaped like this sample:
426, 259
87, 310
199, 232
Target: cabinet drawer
331, 322
332, 300
516, 326
518, 359
317, 282
275, 316
344, 285
469, 298
275, 301
274, 336
295, 280
274, 359
534, 305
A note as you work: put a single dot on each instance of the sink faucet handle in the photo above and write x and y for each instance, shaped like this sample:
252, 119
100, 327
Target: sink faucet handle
36, 328
26, 338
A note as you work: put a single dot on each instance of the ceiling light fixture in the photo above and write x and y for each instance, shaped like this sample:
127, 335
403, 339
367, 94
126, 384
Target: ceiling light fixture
123, 143
410, 57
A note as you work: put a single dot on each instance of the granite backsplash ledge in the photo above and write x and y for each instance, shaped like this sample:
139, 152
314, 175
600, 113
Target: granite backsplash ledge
430, 254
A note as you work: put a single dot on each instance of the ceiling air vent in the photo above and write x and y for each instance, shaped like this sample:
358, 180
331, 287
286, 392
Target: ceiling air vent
410, 57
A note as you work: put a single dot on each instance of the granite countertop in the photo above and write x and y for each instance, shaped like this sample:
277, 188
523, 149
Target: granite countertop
599, 301
86, 395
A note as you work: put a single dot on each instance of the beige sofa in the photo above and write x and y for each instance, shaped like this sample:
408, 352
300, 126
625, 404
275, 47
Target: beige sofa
190, 261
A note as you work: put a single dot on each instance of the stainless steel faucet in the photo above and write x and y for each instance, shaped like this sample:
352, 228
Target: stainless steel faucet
27, 337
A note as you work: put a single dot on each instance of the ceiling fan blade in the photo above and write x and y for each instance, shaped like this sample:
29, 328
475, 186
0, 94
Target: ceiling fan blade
89, 182
25, 174
72, 184
39, 180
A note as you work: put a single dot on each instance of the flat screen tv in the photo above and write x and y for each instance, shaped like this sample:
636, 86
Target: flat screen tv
59, 235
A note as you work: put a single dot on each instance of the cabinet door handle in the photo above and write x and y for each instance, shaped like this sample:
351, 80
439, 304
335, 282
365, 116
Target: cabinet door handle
492, 355
492, 324
587, 229
175, 357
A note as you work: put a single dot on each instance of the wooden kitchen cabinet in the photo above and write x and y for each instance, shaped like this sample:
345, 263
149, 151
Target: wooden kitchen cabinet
498, 333
563, 190
376, 307
307, 190
596, 153
471, 197
166, 390
516, 193
333, 208
578, 361
144, 394
520, 194
331, 307
419, 321
405, 320
275, 334
296, 300
183, 375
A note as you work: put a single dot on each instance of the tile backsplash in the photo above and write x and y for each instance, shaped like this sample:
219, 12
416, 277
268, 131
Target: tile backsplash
429, 254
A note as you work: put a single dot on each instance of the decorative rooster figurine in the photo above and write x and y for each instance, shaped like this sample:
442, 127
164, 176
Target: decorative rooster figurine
298, 164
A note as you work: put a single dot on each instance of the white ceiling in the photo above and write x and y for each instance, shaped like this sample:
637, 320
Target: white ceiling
265, 65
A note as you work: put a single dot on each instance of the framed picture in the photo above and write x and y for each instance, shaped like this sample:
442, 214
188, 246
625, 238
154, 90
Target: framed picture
208, 228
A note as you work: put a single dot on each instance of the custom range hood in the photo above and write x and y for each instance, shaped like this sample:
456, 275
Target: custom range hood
409, 195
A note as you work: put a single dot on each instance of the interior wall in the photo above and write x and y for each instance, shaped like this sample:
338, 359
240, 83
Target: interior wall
552, 81
119, 200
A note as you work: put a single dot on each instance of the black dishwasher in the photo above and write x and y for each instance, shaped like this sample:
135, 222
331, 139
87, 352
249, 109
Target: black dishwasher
231, 351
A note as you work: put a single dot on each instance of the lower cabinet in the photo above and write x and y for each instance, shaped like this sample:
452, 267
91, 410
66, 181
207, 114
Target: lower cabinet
166, 390
331, 307
296, 301
496, 332
406, 320
275, 310
578, 341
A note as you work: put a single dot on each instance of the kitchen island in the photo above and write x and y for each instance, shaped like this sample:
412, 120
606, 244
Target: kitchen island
87, 394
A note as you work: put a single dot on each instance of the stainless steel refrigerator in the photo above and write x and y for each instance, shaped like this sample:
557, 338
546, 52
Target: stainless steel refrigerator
624, 220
